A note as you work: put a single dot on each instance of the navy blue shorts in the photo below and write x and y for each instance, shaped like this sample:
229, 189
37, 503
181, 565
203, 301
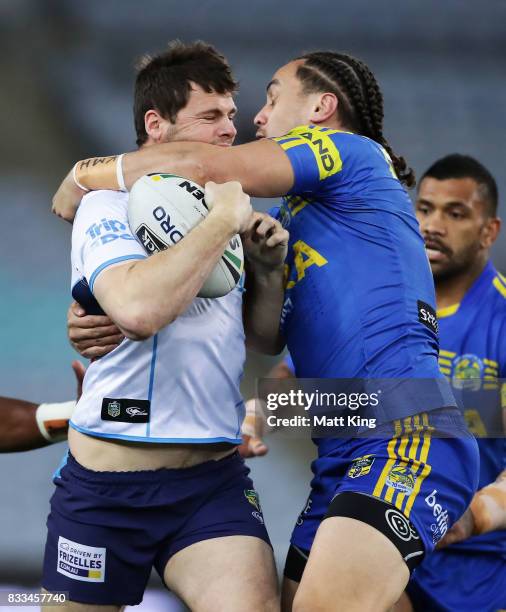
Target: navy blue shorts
426, 467
106, 530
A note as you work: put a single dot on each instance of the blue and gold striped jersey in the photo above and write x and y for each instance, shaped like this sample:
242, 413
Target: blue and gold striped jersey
359, 298
473, 357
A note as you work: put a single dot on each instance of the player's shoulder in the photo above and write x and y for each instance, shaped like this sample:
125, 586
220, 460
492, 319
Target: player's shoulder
332, 149
104, 196
102, 202
348, 147
319, 136
490, 300
496, 298
497, 290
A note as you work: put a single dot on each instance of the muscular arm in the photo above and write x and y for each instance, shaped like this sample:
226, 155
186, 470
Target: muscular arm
262, 168
489, 506
265, 244
262, 310
281, 370
19, 430
255, 424
27, 426
486, 513
144, 296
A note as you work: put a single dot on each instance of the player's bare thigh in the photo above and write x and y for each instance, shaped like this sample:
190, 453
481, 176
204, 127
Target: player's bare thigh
227, 574
352, 567
74, 606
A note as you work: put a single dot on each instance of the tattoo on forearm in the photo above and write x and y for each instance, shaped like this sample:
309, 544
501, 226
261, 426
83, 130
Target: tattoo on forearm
95, 161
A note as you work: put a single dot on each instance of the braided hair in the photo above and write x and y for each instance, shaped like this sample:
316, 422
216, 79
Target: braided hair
360, 101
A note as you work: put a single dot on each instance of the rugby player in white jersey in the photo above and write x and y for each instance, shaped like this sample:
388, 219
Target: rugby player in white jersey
94, 336
153, 478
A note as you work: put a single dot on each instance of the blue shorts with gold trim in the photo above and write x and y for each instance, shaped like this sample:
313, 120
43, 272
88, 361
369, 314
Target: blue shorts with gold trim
426, 466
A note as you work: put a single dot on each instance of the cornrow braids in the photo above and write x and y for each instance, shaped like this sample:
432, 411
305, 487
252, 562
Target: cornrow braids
360, 101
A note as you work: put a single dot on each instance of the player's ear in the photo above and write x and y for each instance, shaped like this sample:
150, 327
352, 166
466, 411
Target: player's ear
325, 108
153, 123
490, 231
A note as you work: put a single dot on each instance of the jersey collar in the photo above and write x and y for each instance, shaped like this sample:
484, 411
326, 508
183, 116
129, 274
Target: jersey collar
474, 293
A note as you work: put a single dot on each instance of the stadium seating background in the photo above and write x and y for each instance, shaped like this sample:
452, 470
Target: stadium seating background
66, 78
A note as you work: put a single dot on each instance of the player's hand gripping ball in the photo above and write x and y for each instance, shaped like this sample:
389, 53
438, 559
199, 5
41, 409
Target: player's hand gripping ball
163, 208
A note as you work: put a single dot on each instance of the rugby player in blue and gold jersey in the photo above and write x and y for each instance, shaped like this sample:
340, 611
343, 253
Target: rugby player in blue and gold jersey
359, 288
457, 210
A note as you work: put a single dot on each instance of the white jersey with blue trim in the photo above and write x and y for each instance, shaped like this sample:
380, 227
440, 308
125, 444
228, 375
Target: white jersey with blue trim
180, 386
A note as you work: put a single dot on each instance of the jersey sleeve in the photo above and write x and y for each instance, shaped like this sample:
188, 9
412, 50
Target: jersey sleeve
313, 155
101, 235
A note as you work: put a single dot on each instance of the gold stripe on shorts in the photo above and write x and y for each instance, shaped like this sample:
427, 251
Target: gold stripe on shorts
380, 483
420, 466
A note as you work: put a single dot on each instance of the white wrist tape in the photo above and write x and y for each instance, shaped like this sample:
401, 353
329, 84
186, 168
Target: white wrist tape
53, 420
119, 173
75, 178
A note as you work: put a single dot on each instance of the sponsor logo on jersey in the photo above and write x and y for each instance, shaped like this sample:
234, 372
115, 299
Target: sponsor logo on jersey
133, 411
252, 496
361, 466
304, 257
475, 423
125, 410
400, 525
80, 562
441, 524
307, 509
467, 372
427, 316
401, 478
113, 409
258, 516
107, 230
286, 310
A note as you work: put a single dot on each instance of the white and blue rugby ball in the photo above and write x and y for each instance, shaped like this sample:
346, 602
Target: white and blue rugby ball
163, 208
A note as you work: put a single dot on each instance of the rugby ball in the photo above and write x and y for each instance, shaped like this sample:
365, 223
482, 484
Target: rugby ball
163, 208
